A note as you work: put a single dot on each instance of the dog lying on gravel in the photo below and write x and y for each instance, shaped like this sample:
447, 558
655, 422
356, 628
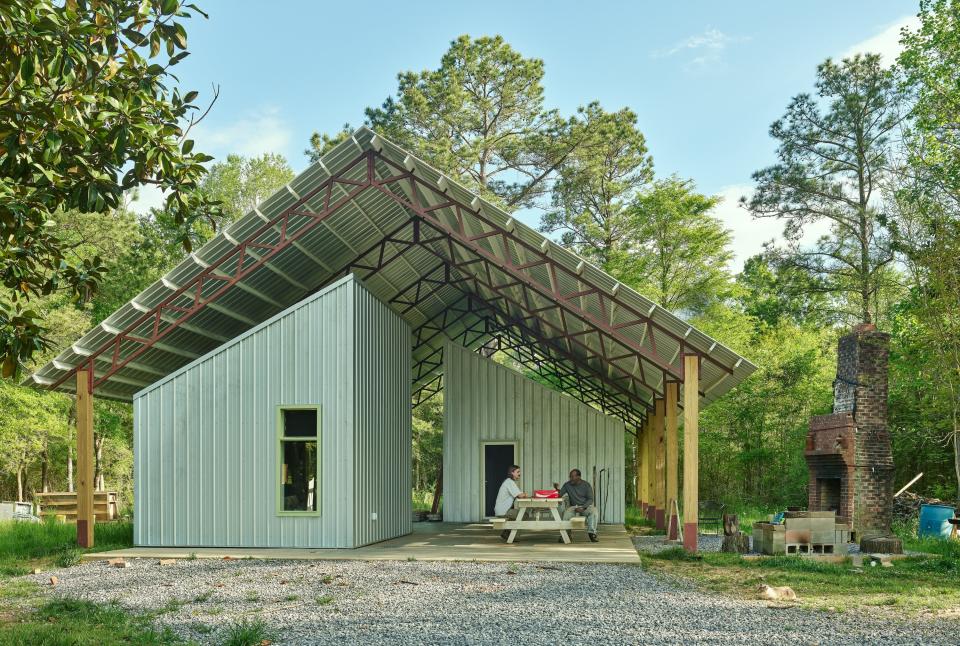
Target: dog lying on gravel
782, 593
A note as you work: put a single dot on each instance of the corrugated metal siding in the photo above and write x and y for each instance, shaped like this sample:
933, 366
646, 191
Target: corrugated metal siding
205, 436
382, 421
484, 401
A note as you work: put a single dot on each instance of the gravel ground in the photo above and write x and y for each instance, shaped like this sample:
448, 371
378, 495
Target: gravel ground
400, 602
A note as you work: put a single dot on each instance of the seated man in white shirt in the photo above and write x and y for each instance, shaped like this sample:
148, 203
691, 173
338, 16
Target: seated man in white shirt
509, 491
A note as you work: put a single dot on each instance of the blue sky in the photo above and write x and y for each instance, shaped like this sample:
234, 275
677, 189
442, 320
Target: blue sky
705, 78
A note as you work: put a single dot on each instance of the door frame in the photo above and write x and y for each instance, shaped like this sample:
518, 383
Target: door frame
483, 469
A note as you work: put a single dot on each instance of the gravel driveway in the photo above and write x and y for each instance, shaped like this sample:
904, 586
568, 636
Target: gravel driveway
400, 602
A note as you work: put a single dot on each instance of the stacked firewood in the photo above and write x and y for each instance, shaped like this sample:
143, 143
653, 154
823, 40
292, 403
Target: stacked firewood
906, 506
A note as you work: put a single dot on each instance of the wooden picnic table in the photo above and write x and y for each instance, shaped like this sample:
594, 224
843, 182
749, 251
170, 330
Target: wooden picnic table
532, 505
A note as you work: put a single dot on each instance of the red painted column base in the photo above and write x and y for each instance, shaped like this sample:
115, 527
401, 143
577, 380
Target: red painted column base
661, 521
690, 537
84, 535
651, 512
673, 528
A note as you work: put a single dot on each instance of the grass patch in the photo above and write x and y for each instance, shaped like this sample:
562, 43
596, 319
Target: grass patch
248, 632
68, 557
422, 500
252, 597
173, 605
203, 597
24, 546
65, 622
912, 585
324, 600
636, 522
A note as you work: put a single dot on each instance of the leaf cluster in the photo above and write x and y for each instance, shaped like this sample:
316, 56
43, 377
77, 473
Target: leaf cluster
88, 111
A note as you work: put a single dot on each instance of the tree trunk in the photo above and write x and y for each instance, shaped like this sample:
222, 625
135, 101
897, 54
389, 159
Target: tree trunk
45, 469
98, 463
71, 425
19, 483
436, 492
956, 456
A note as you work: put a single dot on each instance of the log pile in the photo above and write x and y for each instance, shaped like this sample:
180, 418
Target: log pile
906, 506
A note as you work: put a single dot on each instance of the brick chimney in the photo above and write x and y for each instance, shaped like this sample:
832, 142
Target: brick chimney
848, 453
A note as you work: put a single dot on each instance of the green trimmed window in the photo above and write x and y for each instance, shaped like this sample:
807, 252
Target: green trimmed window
299, 434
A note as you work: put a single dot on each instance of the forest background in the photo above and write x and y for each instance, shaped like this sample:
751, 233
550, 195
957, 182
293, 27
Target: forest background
869, 154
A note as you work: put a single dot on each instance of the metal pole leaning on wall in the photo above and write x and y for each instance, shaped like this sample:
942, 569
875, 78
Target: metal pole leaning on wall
691, 449
85, 513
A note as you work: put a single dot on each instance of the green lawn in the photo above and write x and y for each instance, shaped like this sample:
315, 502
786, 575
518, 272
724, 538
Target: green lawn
67, 622
913, 585
28, 617
24, 546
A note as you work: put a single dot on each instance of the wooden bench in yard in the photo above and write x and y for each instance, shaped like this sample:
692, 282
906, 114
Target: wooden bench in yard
64, 503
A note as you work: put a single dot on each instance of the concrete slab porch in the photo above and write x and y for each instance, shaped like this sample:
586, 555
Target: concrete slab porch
430, 542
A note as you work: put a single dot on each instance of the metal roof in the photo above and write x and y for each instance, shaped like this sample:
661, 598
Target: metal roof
450, 263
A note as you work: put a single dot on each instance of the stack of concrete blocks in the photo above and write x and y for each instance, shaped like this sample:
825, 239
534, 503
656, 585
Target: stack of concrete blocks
769, 538
802, 532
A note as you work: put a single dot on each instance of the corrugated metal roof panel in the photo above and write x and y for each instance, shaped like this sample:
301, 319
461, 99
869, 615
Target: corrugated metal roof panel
577, 328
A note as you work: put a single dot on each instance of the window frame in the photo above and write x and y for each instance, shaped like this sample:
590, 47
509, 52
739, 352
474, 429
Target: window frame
281, 438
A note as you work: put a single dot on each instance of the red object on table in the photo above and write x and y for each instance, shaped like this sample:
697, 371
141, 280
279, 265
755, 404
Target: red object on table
546, 493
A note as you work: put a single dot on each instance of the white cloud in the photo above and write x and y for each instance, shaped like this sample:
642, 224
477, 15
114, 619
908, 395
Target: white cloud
749, 233
886, 42
145, 198
257, 132
704, 48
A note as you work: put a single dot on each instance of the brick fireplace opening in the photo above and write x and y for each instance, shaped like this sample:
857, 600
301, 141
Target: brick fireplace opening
828, 494
848, 452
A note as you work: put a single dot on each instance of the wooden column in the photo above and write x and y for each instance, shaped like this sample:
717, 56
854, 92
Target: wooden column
644, 476
661, 490
85, 515
673, 458
650, 463
638, 469
691, 450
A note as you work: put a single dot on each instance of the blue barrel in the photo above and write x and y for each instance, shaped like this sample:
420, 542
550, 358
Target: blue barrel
933, 521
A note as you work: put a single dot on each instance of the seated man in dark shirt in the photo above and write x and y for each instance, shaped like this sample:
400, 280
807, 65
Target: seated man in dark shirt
580, 500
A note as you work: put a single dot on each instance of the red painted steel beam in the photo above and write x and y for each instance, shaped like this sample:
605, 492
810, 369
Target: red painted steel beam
460, 235
193, 290
465, 243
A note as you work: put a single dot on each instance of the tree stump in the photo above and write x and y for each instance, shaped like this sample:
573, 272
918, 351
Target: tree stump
738, 543
881, 545
731, 525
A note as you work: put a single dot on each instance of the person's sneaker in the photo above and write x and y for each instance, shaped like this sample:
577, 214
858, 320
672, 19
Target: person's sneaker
593, 538
505, 534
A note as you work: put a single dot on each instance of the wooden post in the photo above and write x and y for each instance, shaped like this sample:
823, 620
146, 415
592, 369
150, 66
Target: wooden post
642, 448
661, 490
638, 470
649, 467
673, 458
85, 515
691, 450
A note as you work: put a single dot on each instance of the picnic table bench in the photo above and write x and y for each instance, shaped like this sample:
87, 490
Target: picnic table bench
525, 505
